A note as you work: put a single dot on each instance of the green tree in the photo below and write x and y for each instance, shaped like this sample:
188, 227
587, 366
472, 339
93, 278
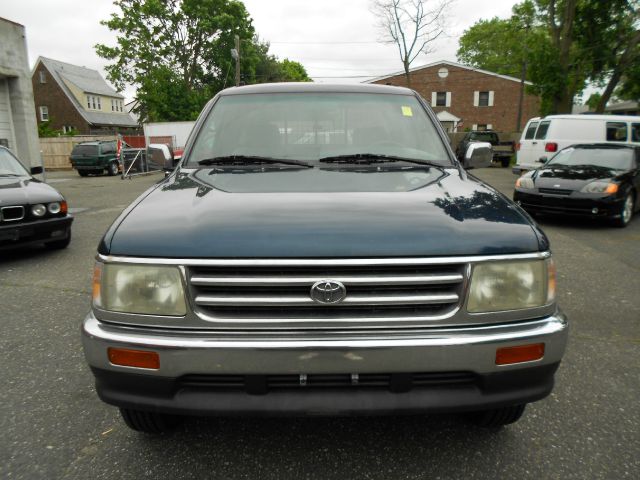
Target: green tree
564, 43
614, 25
630, 84
176, 53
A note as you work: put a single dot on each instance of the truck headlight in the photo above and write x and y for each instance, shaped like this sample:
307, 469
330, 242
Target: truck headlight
145, 289
511, 285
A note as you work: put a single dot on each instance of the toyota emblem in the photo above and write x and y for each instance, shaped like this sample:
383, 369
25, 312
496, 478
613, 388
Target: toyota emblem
328, 292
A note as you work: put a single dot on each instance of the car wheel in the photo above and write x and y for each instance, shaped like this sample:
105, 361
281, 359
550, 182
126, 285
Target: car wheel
497, 417
59, 244
83, 173
506, 161
112, 169
626, 212
148, 422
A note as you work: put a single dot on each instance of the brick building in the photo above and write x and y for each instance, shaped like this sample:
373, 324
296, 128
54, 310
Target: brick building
73, 97
466, 97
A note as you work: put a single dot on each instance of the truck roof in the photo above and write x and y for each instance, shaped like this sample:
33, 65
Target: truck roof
303, 87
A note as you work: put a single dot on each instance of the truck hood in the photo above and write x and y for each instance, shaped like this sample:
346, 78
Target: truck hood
457, 215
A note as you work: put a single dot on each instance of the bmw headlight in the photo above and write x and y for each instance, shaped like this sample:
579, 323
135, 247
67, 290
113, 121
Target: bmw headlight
525, 183
54, 208
600, 187
38, 210
511, 285
145, 289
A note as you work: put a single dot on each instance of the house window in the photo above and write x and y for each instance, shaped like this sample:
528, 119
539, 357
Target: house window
483, 99
116, 105
93, 102
44, 114
481, 127
440, 99
67, 128
43, 76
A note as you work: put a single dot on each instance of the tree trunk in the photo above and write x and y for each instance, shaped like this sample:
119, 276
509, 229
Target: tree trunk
625, 60
606, 95
406, 74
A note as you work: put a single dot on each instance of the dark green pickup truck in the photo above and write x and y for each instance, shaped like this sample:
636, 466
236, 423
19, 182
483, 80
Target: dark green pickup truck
95, 158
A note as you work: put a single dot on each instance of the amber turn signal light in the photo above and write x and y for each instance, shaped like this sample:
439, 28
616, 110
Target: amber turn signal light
134, 358
519, 354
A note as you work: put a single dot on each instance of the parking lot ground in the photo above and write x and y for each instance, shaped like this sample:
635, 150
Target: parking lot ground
53, 425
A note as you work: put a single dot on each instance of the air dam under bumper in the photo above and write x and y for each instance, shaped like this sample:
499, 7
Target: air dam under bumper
466, 354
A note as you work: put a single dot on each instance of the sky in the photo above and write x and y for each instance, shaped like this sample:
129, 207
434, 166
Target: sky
335, 40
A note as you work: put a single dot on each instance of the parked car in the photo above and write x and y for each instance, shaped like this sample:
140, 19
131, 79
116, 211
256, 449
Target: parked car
502, 151
542, 138
596, 180
31, 212
363, 272
95, 158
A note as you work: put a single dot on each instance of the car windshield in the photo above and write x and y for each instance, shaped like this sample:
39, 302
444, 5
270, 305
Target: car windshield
86, 150
614, 158
10, 166
313, 126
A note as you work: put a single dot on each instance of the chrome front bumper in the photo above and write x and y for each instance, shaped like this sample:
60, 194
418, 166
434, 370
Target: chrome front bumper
471, 349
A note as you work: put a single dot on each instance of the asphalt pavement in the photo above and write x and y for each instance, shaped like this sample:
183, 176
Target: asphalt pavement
54, 427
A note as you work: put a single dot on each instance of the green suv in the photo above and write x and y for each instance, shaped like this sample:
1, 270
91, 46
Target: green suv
95, 158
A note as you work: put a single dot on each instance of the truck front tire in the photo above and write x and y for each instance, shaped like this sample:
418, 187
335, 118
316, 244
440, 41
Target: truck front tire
148, 422
497, 417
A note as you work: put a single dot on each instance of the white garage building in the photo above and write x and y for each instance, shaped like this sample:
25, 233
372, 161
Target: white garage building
18, 127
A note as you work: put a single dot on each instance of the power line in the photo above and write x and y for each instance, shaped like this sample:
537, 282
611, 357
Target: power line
324, 43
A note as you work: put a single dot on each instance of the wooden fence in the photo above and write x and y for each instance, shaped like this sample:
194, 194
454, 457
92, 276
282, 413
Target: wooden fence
56, 150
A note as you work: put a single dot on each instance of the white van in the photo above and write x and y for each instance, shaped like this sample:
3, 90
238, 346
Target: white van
541, 138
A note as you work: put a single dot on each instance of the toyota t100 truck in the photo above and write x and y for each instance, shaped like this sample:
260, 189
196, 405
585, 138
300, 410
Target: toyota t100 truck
320, 250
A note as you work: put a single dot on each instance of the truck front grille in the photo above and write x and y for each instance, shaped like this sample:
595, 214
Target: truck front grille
373, 292
262, 384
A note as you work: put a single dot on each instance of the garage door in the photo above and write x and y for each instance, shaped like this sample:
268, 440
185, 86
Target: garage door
6, 125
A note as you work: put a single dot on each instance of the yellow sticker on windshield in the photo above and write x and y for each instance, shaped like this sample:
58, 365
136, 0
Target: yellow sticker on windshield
407, 112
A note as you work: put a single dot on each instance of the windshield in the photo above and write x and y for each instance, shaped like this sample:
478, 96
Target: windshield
482, 136
615, 158
9, 165
312, 126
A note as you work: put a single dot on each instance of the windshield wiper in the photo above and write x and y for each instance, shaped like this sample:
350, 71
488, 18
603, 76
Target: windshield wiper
250, 160
372, 158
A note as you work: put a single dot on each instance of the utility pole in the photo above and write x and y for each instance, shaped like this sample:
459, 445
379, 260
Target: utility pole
237, 38
523, 75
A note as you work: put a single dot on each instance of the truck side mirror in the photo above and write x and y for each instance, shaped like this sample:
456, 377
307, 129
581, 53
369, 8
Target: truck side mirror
478, 155
160, 155
542, 160
36, 170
